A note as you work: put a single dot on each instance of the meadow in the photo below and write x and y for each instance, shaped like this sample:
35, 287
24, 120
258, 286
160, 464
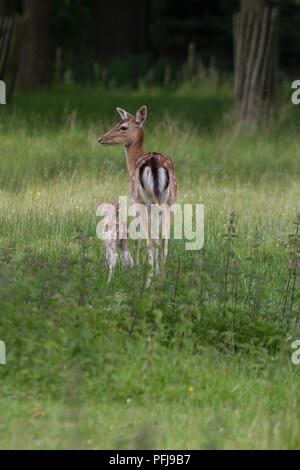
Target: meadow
201, 359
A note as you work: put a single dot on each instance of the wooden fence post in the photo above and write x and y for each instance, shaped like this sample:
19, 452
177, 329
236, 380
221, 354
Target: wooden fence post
256, 40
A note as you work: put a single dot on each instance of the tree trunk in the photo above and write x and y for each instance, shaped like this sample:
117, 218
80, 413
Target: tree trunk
121, 28
6, 7
256, 45
35, 65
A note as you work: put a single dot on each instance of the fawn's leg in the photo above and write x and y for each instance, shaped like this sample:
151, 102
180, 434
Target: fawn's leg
126, 258
125, 255
112, 257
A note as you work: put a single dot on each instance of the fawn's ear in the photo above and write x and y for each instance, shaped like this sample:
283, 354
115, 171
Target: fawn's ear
124, 115
141, 115
100, 208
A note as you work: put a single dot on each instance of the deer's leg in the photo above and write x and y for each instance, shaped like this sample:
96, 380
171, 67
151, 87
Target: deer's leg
150, 247
129, 260
166, 222
145, 221
137, 250
137, 241
125, 255
155, 228
153, 252
112, 257
164, 249
156, 250
146, 224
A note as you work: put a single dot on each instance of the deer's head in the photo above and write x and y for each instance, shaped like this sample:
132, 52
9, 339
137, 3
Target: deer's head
128, 131
110, 211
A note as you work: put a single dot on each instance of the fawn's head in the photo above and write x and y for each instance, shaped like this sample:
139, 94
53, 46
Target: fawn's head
113, 226
128, 131
110, 211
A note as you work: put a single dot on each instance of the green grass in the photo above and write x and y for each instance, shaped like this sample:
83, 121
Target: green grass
221, 322
205, 402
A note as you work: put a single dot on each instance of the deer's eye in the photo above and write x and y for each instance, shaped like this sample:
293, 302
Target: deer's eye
124, 128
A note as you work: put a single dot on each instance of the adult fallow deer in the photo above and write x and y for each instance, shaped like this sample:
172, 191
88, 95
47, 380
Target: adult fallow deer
152, 178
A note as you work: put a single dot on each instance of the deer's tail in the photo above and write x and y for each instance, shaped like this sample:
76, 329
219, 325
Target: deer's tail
154, 180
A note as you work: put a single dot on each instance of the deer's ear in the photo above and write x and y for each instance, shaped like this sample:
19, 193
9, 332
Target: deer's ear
141, 115
100, 207
124, 115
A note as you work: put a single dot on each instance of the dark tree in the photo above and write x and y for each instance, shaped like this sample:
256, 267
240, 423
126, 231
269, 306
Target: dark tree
256, 39
120, 27
35, 64
6, 7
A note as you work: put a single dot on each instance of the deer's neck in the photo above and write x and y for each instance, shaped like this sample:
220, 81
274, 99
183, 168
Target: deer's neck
134, 151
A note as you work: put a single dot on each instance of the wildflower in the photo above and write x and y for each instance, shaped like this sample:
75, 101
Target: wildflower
77, 207
39, 193
191, 389
283, 213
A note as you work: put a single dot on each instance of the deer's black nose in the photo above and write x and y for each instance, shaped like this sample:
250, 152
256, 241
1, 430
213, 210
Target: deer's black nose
100, 140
